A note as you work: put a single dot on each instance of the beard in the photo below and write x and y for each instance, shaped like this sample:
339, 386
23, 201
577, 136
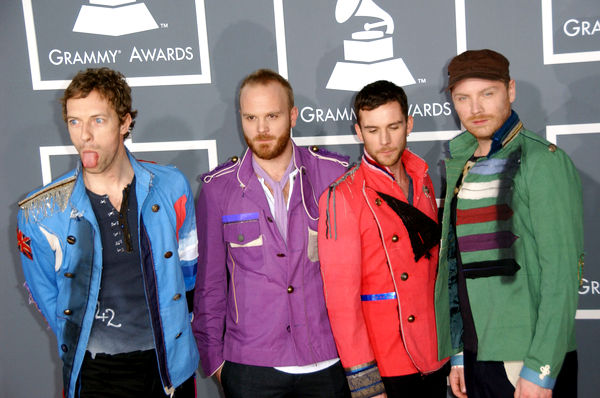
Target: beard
268, 150
388, 161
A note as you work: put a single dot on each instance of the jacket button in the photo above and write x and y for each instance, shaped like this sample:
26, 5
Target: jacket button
314, 148
378, 202
234, 159
176, 297
280, 255
395, 238
404, 276
552, 148
64, 348
69, 275
411, 318
155, 208
269, 219
240, 238
168, 254
67, 312
71, 240
178, 335
290, 289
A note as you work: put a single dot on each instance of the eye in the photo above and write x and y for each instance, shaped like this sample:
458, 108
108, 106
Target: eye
99, 120
73, 122
272, 116
460, 98
249, 117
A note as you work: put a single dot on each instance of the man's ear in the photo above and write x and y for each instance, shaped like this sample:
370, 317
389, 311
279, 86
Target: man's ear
358, 132
124, 128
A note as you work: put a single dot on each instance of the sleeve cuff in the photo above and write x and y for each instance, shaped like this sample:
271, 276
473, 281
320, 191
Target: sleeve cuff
364, 380
540, 378
457, 360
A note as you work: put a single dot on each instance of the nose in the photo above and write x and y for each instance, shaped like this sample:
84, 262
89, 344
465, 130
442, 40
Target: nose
385, 138
262, 125
476, 107
86, 132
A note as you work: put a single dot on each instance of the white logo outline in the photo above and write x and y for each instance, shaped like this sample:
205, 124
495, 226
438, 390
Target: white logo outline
548, 43
165, 80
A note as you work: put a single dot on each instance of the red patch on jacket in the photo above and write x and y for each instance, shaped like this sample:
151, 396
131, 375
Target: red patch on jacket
24, 244
179, 207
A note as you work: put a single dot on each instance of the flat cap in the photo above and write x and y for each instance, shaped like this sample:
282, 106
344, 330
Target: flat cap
483, 64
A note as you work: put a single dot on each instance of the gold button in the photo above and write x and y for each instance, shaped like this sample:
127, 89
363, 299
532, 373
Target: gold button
411, 318
71, 240
178, 335
240, 238
552, 148
234, 159
155, 207
176, 297
290, 289
378, 202
404, 276
67, 312
395, 238
69, 275
314, 148
280, 255
168, 254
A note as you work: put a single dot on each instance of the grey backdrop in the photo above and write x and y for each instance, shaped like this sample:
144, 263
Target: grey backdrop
185, 72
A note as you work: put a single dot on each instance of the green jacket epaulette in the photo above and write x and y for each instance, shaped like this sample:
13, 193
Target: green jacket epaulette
534, 137
220, 170
50, 199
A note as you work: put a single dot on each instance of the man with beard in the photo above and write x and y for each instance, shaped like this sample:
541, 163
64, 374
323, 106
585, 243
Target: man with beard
109, 253
378, 241
511, 253
259, 312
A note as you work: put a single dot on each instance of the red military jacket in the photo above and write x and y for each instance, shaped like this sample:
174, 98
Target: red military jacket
365, 250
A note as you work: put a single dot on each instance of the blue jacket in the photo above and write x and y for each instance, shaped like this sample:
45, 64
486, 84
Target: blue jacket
61, 253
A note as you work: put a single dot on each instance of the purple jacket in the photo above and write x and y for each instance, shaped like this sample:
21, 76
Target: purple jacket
257, 300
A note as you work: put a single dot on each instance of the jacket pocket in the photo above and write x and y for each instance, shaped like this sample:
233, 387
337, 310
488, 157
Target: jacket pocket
245, 243
312, 247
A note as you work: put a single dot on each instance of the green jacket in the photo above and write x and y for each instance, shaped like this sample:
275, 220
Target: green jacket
530, 315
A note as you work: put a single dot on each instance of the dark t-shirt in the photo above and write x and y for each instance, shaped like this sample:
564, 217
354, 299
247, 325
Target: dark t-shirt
121, 321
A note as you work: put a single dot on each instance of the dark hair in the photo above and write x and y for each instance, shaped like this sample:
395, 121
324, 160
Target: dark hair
264, 77
379, 93
110, 84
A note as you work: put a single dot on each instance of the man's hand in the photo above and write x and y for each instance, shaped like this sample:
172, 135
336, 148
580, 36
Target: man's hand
527, 389
457, 381
217, 374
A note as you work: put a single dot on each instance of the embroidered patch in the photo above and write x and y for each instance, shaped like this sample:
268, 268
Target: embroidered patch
24, 244
544, 371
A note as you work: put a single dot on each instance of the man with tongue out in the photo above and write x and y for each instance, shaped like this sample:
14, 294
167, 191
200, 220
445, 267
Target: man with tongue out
109, 253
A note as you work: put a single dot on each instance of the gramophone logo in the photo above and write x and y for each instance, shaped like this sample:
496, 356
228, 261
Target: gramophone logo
369, 54
114, 18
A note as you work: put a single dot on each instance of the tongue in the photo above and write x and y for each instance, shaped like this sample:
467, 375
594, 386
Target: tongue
89, 159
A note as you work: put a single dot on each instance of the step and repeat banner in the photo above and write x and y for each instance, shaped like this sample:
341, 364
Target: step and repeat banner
186, 58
